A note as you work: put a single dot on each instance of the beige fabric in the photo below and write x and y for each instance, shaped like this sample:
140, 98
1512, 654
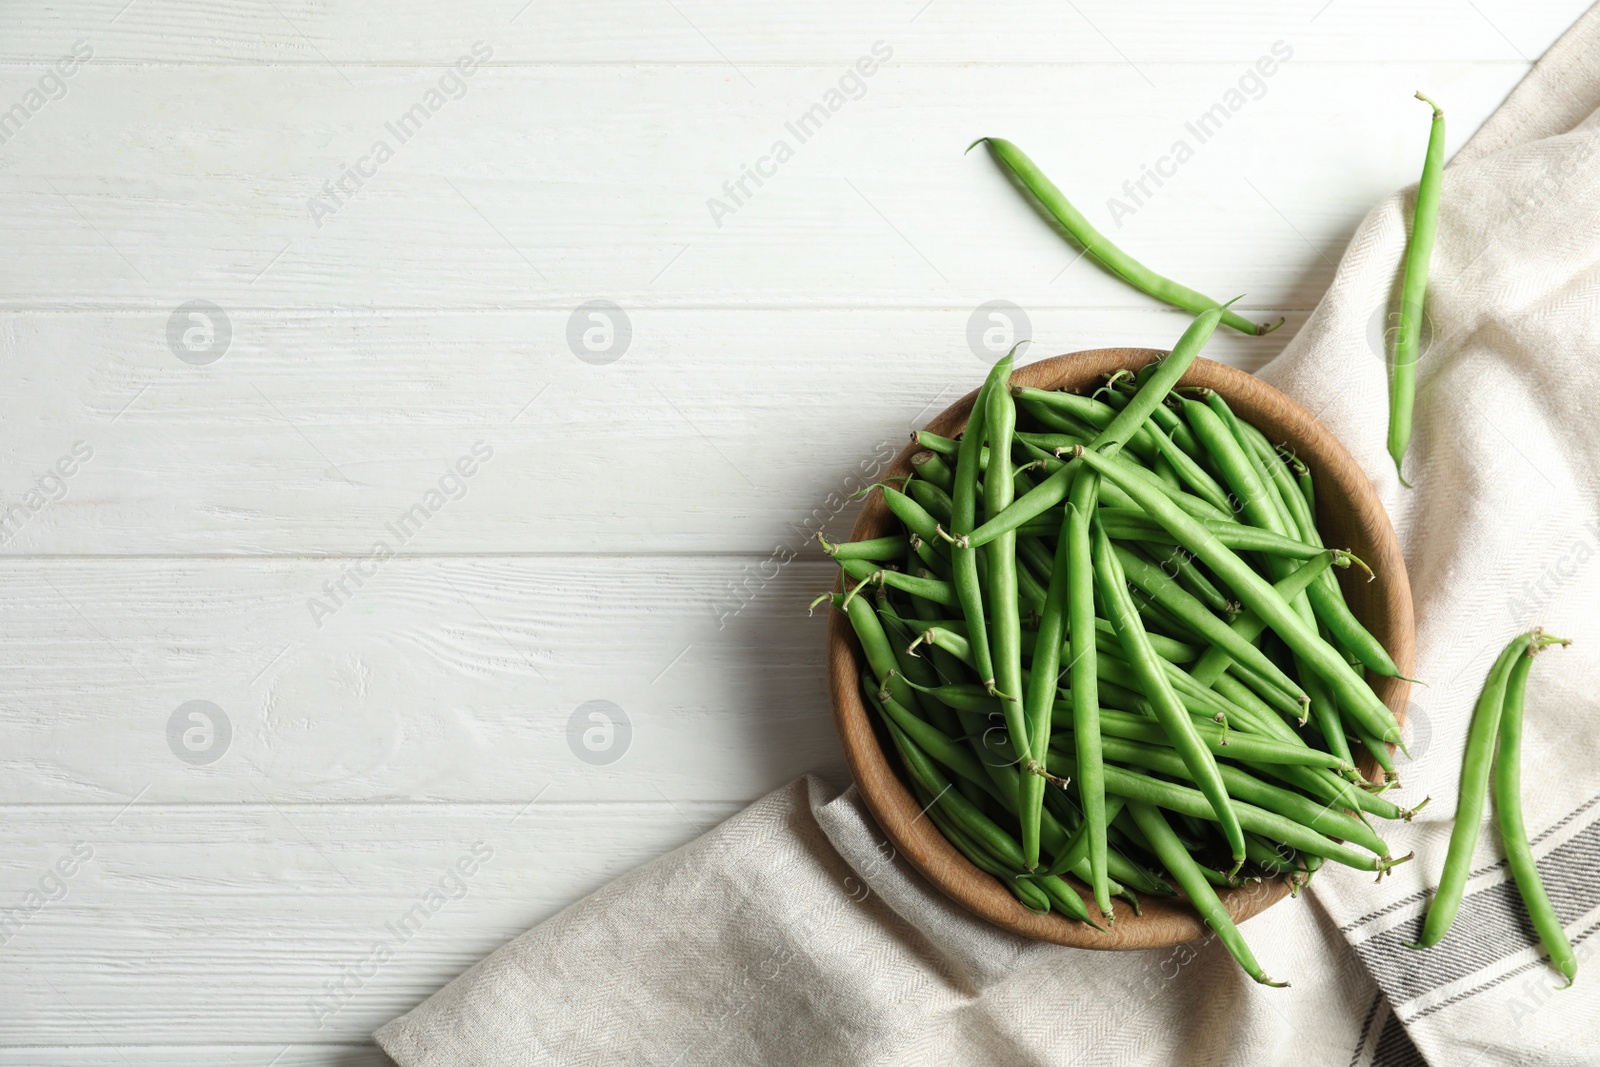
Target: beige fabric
792, 935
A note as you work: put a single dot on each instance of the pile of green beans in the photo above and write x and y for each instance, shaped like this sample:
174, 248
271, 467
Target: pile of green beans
1494, 740
1107, 643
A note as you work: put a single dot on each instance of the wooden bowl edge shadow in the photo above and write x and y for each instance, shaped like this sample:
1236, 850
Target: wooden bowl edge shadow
1384, 605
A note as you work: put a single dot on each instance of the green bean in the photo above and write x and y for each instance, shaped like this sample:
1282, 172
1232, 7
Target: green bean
1029, 589
881, 549
918, 519
934, 500
1254, 593
1161, 381
1378, 750
1268, 855
935, 561
1165, 647
963, 813
1261, 715
1032, 897
1332, 788
1192, 613
1245, 787
1179, 565
1053, 834
1045, 444
1325, 713
1034, 552
1164, 469
917, 670
1186, 872
1237, 469
946, 665
945, 446
934, 741
1117, 678
1041, 403
1039, 703
1077, 849
962, 696
1102, 250
1248, 626
1134, 786
1083, 672
927, 464
1232, 745
1508, 803
1475, 764
1326, 597
1005, 619
1413, 291
877, 649
963, 517
1126, 524
1265, 505
1178, 432
1061, 423
1169, 710
1289, 705
1185, 467
929, 588
1116, 433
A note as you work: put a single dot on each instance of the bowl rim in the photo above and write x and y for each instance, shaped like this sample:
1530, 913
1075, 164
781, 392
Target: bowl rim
1347, 505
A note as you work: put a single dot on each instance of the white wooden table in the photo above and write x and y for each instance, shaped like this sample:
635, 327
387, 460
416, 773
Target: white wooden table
259, 503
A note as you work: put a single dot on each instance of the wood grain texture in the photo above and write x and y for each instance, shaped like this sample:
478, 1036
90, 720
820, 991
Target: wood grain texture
277, 904
604, 192
317, 429
1349, 514
446, 680
572, 32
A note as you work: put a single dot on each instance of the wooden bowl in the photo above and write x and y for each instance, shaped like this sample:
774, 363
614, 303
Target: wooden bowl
1349, 515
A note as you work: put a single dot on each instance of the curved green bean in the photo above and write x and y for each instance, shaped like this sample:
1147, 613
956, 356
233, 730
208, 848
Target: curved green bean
1508, 803
1475, 765
1097, 245
1187, 873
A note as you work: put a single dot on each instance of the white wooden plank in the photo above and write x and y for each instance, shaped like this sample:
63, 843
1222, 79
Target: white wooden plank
79, 1054
465, 680
223, 924
638, 31
727, 431
550, 187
